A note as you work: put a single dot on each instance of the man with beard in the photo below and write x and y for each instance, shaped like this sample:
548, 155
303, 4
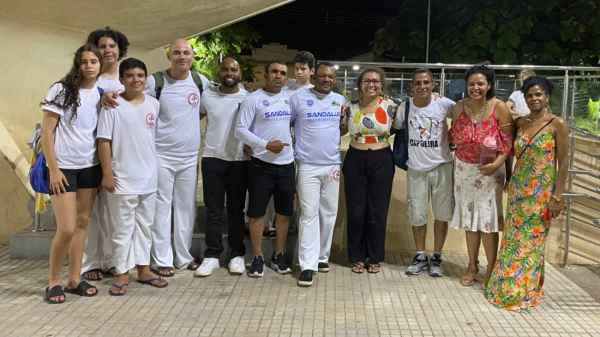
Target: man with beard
224, 170
264, 124
316, 116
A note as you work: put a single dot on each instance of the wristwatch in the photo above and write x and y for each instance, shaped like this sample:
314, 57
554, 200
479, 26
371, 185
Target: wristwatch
558, 199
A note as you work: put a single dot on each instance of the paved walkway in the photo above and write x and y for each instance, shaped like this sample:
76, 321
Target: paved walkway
338, 304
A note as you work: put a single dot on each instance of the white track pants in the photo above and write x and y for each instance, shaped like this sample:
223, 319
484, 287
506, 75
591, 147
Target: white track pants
177, 184
132, 216
97, 252
318, 191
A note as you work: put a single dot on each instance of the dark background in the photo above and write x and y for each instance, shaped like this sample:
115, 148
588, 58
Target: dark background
330, 29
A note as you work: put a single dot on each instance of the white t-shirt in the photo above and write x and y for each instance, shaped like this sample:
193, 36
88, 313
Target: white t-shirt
222, 113
75, 143
110, 84
520, 106
131, 128
428, 144
178, 124
266, 117
316, 119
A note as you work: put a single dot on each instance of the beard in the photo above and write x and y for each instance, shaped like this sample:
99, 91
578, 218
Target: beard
233, 84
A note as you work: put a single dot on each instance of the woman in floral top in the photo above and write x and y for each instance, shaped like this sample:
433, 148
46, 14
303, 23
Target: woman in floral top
368, 170
541, 145
478, 189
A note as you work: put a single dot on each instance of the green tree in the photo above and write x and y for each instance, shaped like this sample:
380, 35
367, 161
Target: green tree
557, 32
227, 41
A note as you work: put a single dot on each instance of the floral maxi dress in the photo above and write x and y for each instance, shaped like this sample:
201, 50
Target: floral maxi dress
518, 276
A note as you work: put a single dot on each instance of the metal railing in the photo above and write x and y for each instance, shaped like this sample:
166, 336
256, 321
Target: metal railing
567, 78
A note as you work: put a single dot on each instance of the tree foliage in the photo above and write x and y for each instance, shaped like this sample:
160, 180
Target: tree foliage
227, 41
551, 32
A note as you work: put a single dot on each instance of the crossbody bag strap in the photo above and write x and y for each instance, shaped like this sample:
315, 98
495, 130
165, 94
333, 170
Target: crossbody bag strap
532, 138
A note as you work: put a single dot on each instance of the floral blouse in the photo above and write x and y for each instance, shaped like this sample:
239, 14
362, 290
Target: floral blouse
369, 128
468, 137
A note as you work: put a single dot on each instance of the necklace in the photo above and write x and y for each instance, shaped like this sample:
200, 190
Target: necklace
474, 122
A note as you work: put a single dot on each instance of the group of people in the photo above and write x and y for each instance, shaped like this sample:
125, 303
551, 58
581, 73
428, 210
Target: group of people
135, 138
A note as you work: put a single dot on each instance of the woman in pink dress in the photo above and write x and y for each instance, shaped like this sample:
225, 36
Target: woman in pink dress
478, 188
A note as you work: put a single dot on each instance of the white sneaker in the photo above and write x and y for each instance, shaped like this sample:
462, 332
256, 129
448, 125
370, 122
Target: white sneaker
207, 267
237, 266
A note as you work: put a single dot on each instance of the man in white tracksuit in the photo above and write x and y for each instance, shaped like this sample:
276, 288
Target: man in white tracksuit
316, 115
177, 146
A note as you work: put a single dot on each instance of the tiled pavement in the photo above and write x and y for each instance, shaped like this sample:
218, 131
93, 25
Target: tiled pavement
339, 304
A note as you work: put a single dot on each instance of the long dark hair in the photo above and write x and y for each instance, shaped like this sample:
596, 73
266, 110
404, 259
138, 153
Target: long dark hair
68, 97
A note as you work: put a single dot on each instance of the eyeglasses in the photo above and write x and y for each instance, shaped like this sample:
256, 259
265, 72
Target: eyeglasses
368, 82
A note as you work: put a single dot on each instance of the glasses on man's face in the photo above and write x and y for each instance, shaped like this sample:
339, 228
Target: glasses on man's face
369, 82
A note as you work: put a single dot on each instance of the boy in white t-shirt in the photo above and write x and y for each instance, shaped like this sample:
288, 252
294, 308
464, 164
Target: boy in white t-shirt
128, 155
430, 174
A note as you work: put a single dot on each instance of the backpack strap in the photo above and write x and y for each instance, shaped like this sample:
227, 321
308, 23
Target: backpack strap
198, 80
159, 83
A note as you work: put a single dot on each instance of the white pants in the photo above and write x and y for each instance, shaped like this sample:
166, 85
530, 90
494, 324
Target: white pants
132, 216
97, 252
318, 191
177, 184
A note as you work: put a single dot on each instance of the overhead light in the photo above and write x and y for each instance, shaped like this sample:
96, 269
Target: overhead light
355, 67
336, 67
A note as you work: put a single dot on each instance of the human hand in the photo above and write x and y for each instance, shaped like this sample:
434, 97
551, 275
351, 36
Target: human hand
109, 100
58, 181
489, 169
276, 146
108, 182
248, 150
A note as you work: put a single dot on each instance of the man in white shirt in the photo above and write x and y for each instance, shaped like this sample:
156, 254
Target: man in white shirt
128, 156
224, 170
264, 125
429, 174
177, 146
316, 118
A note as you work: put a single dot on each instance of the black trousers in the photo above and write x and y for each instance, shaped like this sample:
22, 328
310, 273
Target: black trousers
368, 177
220, 178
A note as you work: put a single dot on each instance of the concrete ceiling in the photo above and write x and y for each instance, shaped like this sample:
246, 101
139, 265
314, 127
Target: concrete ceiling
148, 24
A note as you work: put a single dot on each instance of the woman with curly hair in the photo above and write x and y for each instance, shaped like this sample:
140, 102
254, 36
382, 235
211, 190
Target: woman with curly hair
368, 170
69, 143
97, 254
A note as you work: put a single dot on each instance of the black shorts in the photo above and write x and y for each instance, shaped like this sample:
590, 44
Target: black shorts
89, 177
264, 180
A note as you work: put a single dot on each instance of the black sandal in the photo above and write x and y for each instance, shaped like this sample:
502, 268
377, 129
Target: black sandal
82, 289
56, 291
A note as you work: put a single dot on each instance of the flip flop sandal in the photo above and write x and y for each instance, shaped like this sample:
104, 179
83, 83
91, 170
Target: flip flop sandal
56, 291
192, 265
98, 272
159, 269
111, 293
82, 289
149, 282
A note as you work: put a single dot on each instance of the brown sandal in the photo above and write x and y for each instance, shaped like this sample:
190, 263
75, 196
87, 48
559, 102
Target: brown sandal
358, 268
374, 268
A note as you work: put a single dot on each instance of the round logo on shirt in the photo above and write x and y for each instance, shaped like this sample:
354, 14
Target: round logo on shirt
193, 99
336, 175
150, 120
265, 103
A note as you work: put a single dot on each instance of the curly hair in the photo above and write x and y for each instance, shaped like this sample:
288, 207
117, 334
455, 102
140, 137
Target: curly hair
119, 38
68, 98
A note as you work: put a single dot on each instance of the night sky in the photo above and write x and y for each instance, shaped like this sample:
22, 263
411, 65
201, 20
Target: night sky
330, 29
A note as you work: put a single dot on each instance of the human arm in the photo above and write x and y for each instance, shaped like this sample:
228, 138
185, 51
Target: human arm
507, 135
58, 181
561, 136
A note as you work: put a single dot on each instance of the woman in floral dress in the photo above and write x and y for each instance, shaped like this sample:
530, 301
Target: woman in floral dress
478, 189
541, 145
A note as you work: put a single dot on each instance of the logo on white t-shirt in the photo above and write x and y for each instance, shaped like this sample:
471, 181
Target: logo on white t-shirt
150, 120
336, 175
193, 99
